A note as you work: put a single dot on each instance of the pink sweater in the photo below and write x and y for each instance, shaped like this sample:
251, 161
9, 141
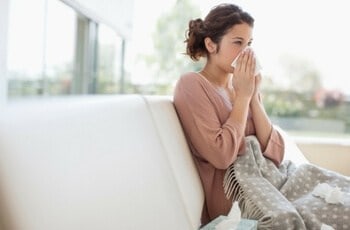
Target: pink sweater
203, 113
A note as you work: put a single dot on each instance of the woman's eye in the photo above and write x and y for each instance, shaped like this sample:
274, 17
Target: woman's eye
250, 43
238, 42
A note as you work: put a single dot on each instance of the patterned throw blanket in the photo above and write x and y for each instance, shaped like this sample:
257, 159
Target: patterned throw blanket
284, 197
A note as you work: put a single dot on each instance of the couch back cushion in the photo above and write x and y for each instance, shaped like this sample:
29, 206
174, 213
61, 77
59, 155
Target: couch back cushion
179, 155
93, 162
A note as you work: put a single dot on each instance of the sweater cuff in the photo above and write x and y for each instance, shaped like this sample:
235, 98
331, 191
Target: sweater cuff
275, 148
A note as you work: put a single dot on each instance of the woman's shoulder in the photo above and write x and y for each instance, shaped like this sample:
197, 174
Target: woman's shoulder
190, 78
192, 85
188, 82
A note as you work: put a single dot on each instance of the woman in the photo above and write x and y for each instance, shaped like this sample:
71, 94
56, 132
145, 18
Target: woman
220, 105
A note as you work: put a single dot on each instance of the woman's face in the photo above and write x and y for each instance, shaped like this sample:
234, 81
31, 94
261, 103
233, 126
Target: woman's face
232, 43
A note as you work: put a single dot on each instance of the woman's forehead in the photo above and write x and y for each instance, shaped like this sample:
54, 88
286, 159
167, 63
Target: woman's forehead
243, 31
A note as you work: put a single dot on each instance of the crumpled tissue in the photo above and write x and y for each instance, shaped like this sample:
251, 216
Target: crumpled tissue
258, 67
332, 195
326, 227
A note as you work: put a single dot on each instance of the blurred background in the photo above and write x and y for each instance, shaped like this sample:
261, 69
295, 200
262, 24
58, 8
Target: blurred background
55, 48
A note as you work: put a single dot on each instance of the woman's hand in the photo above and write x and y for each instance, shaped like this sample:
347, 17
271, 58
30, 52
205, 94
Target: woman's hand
256, 94
244, 81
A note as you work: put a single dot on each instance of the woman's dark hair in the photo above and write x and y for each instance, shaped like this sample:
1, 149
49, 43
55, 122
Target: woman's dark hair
215, 25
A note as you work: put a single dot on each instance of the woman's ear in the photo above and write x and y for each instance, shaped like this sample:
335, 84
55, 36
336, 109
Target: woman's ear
210, 45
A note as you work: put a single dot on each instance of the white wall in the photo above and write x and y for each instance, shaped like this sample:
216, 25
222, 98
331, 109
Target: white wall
4, 9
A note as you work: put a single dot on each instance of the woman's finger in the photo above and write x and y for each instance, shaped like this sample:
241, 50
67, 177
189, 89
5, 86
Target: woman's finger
249, 62
240, 61
246, 56
253, 65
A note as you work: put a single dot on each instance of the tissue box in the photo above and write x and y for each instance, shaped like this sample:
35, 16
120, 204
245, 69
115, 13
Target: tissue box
213, 223
243, 224
247, 224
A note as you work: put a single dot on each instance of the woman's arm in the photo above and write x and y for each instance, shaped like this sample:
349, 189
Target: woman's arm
216, 143
262, 123
271, 141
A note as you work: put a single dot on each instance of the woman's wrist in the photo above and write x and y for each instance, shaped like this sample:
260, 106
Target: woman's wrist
255, 100
242, 99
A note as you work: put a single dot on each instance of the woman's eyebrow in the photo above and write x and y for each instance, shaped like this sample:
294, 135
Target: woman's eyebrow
240, 38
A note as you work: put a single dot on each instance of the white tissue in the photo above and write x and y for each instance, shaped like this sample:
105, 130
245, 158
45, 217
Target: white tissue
258, 67
335, 196
332, 195
321, 190
233, 219
235, 212
326, 227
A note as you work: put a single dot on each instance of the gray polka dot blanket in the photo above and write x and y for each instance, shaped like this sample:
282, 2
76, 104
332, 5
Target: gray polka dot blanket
285, 197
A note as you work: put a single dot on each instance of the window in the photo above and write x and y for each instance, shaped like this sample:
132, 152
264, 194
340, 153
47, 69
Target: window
53, 49
41, 48
110, 62
25, 48
59, 49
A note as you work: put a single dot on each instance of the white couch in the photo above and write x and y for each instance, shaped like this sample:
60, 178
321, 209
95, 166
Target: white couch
98, 163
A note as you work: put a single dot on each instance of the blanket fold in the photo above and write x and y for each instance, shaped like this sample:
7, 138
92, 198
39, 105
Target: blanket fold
281, 197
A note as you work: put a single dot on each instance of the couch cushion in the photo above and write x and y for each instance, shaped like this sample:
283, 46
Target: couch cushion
93, 162
179, 155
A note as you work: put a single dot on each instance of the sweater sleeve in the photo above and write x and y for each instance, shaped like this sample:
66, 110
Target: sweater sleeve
275, 147
214, 142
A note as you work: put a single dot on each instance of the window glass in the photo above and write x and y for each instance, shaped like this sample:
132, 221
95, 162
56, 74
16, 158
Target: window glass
40, 48
25, 48
109, 61
60, 48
